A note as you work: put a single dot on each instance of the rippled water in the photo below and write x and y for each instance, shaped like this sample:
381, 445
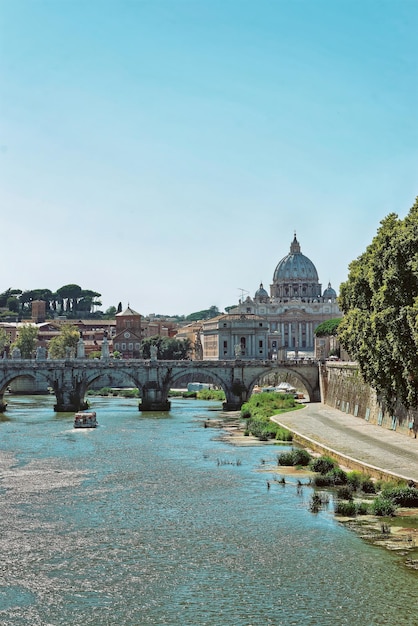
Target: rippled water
149, 519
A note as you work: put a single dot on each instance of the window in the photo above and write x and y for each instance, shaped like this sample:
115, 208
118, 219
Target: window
131, 346
124, 346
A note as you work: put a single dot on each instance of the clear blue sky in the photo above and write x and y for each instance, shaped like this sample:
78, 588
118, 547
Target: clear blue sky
163, 152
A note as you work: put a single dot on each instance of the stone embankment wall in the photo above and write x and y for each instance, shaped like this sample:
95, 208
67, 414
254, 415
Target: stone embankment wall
343, 388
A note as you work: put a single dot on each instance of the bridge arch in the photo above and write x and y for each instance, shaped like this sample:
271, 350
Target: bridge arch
285, 371
191, 373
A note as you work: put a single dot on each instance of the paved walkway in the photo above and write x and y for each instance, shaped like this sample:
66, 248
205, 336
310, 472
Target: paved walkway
355, 438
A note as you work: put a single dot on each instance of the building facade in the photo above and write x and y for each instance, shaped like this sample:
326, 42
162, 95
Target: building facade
235, 336
295, 307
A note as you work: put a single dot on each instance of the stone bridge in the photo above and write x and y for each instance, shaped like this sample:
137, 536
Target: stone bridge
70, 378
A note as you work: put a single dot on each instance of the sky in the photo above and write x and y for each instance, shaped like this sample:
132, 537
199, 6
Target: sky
164, 152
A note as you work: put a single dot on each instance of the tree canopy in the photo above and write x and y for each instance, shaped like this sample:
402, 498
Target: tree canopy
327, 328
205, 314
67, 338
169, 349
26, 341
380, 302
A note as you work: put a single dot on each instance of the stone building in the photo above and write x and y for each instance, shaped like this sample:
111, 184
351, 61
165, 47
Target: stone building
295, 307
128, 336
235, 336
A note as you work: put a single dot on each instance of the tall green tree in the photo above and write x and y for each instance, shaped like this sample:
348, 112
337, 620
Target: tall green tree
380, 302
26, 340
169, 349
4, 340
67, 338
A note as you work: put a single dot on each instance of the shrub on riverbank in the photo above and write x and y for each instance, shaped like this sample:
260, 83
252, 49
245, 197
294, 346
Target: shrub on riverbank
322, 465
401, 496
297, 456
258, 411
211, 394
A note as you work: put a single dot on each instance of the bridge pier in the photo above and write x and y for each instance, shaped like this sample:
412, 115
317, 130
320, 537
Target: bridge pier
3, 404
69, 394
153, 400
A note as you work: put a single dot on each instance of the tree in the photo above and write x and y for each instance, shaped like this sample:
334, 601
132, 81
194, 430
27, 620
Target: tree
71, 293
67, 338
168, 349
328, 328
4, 340
13, 304
7, 294
380, 302
26, 340
205, 314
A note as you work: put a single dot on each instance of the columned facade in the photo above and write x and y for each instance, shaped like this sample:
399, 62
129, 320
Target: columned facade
295, 307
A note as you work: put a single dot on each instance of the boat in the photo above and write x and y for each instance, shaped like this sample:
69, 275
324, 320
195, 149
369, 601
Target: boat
85, 419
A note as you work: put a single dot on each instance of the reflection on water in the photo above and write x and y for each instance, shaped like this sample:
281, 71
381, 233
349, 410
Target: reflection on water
149, 519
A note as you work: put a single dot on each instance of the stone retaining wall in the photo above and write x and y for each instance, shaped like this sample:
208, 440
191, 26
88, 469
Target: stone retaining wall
343, 388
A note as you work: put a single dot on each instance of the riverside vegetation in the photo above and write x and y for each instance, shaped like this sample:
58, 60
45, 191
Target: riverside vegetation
257, 411
361, 502
204, 394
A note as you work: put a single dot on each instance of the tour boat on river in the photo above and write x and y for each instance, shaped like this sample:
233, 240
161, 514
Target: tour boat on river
85, 419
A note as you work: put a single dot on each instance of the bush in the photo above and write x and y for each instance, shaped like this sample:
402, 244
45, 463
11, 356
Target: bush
402, 496
362, 508
298, 456
345, 492
348, 509
354, 479
338, 476
322, 465
383, 507
322, 481
368, 486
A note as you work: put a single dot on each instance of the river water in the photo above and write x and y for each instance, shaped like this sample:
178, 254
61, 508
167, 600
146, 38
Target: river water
151, 519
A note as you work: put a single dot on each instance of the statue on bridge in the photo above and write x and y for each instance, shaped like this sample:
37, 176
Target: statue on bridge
153, 352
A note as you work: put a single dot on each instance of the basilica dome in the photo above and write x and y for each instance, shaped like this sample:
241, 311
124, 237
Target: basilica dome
261, 294
329, 293
295, 276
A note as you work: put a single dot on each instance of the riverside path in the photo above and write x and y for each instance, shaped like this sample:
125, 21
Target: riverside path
355, 443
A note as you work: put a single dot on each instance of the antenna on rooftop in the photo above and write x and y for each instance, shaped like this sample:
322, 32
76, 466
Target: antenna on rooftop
244, 292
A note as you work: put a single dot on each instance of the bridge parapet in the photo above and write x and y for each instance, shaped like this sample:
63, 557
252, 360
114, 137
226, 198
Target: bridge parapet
70, 378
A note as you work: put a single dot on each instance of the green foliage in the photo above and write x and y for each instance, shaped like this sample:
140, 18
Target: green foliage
205, 314
354, 479
96, 354
362, 508
345, 492
167, 348
258, 410
26, 341
338, 476
402, 496
7, 294
211, 394
383, 507
368, 486
327, 328
4, 340
380, 302
322, 465
67, 338
297, 456
345, 508
13, 304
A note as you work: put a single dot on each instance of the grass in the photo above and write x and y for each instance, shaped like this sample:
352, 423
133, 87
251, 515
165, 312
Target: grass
258, 411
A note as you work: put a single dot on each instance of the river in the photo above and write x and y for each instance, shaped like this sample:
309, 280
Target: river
153, 519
